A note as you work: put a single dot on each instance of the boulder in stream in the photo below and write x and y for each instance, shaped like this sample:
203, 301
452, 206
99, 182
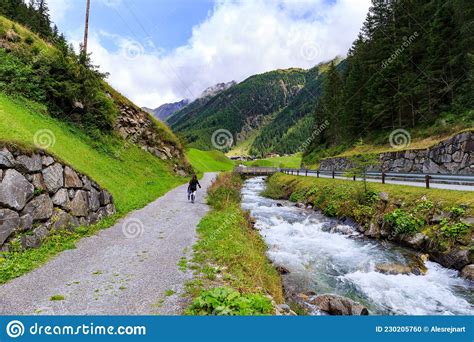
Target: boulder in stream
415, 266
338, 305
393, 268
468, 272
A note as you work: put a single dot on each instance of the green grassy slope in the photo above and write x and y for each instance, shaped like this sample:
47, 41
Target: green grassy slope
208, 161
292, 161
133, 176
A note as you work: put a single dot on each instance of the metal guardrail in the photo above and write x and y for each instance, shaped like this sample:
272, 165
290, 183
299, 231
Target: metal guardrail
414, 177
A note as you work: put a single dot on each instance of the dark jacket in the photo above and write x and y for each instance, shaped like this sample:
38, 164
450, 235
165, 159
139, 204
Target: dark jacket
193, 184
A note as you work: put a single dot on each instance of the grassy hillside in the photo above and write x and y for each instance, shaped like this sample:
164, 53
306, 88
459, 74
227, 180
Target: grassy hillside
292, 161
246, 106
72, 89
208, 161
134, 176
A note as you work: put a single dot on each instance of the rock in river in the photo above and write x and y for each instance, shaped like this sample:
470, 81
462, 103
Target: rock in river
338, 305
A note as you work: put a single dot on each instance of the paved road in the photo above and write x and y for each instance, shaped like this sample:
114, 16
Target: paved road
110, 273
418, 184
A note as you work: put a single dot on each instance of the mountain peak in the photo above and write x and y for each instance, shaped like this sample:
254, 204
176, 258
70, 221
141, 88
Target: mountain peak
217, 88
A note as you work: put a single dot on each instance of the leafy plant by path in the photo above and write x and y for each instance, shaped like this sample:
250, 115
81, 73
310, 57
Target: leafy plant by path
226, 301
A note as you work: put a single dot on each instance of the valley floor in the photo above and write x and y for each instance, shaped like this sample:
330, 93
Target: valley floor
128, 269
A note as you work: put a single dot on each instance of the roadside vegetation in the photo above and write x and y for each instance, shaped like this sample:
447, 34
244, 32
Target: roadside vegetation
233, 275
440, 215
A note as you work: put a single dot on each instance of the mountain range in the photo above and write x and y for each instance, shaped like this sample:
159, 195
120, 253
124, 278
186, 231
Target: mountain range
166, 110
269, 112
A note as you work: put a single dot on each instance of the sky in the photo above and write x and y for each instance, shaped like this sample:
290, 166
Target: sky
159, 51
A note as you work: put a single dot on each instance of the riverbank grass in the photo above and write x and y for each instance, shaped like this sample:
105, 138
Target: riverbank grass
442, 216
230, 254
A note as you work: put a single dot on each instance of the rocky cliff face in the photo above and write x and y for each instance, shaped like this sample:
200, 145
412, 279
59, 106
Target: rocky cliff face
453, 156
39, 194
139, 128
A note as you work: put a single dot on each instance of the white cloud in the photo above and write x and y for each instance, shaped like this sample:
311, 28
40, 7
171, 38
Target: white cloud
238, 39
58, 8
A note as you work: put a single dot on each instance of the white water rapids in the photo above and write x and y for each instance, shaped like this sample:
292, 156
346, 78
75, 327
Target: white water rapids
325, 256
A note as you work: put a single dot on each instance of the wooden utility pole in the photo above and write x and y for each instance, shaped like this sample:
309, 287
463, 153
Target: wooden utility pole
86, 29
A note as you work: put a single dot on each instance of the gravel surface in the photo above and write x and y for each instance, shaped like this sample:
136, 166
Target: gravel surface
128, 269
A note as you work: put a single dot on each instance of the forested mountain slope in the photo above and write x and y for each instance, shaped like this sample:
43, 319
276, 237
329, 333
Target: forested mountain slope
410, 68
292, 126
240, 109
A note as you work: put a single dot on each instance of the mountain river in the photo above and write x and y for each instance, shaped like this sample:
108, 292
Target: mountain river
324, 256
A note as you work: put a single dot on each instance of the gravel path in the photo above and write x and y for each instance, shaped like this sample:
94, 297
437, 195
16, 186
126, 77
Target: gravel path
128, 269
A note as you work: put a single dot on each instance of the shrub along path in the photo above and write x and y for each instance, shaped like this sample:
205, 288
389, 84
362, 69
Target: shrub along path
130, 268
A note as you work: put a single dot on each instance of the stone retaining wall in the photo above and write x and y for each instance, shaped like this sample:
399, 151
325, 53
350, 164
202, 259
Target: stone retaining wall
452, 156
38, 195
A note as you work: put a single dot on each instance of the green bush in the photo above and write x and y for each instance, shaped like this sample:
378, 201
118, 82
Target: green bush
68, 84
330, 210
19, 78
403, 222
29, 40
298, 195
454, 230
229, 302
423, 208
457, 211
